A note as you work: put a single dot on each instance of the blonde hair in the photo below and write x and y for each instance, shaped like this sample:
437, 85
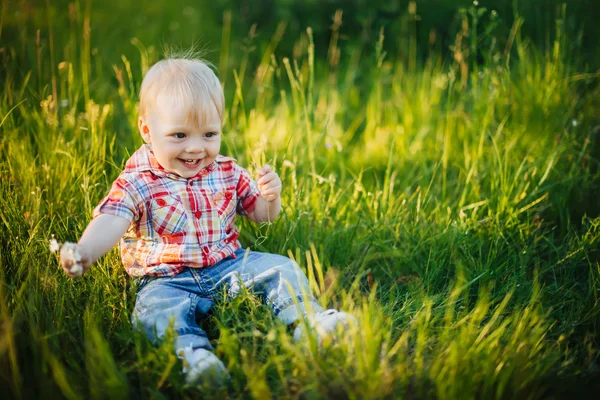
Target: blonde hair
186, 81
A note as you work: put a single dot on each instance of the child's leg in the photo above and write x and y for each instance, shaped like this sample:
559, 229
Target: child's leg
276, 277
164, 299
177, 300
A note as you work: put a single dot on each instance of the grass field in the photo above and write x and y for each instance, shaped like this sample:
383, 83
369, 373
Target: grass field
450, 203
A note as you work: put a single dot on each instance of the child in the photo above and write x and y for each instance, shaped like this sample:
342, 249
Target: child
173, 209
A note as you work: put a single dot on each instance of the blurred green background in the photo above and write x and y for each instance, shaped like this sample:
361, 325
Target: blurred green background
251, 25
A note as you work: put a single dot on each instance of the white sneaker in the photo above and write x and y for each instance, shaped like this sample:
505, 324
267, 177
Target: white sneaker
325, 323
201, 365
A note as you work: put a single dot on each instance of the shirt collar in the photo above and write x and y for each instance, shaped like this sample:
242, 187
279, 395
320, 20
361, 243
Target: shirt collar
144, 160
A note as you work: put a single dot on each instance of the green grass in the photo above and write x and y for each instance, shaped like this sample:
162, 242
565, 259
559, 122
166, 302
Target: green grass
449, 203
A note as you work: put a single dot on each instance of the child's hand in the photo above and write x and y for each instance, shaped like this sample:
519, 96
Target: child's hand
74, 259
269, 183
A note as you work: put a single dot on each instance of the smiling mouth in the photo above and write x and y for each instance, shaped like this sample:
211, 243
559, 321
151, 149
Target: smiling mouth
190, 162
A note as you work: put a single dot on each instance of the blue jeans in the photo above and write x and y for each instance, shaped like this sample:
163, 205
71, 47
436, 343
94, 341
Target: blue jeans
277, 279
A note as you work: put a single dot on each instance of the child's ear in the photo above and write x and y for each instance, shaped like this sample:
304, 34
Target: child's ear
144, 130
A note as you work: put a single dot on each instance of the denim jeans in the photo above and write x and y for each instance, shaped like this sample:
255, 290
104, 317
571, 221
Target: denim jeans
193, 291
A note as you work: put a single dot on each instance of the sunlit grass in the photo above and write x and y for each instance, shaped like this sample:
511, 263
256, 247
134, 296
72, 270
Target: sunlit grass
445, 204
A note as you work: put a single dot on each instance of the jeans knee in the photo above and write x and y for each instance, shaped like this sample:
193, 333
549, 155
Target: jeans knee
156, 315
291, 271
290, 267
145, 324
288, 281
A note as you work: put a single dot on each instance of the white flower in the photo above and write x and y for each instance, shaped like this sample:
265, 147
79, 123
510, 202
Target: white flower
70, 252
77, 270
54, 245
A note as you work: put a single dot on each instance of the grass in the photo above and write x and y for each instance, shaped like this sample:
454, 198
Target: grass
448, 203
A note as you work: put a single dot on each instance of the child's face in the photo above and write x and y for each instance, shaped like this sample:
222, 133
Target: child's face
179, 145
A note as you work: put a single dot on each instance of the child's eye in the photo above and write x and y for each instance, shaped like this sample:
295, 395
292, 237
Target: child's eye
180, 135
210, 134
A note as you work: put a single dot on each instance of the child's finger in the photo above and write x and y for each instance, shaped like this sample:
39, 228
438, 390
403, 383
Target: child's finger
265, 169
269, 177
66, 266
270, 191
275, 183
271, 197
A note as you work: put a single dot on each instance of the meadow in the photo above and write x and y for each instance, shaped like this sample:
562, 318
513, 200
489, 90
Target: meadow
446, 196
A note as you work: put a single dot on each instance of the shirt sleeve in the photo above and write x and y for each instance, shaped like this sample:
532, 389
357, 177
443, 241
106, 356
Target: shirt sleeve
120, 201
247, 193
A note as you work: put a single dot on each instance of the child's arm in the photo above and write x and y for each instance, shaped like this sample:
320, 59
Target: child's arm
268, 205
101, 235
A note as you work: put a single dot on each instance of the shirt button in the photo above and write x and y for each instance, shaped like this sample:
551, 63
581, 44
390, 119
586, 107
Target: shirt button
228, 195
161, 202
198, 214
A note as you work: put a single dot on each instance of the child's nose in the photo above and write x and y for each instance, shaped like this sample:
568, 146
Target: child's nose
194, 146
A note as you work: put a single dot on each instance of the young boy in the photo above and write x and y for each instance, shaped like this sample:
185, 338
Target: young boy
173, 209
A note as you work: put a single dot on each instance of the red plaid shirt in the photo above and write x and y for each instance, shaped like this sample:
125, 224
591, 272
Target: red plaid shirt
178, 222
